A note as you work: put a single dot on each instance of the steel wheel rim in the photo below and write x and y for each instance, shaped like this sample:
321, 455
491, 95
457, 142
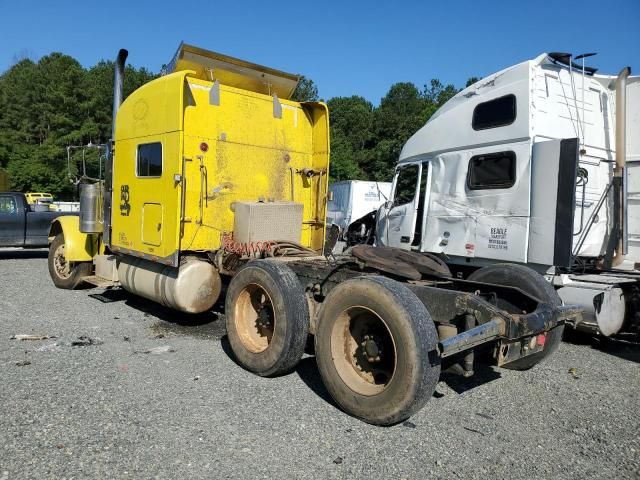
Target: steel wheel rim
60, 264
255, 318
363, 351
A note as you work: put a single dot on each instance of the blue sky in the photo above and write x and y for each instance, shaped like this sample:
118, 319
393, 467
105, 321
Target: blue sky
357, 47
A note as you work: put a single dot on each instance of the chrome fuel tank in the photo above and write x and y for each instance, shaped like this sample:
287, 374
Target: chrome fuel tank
194, 287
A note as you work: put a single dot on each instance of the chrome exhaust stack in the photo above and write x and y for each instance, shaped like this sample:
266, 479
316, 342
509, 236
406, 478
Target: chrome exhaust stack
619, 172
118, 83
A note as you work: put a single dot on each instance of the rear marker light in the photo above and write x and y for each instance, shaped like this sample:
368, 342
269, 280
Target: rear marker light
540, 339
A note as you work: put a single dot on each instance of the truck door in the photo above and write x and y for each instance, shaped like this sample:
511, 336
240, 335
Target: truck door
146, 197
12, 220
398, 224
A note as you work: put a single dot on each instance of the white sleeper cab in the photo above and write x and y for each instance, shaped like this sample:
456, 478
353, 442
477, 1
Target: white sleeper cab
537, 164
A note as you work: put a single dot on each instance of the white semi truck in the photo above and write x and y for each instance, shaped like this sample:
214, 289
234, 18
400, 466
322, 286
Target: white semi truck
538, 164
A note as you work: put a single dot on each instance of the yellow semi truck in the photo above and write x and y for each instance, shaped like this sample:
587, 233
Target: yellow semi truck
215, 180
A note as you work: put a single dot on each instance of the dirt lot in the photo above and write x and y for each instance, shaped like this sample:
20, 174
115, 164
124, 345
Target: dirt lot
102, 408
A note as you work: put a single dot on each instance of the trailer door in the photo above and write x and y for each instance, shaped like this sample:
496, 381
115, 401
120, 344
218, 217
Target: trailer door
397, 220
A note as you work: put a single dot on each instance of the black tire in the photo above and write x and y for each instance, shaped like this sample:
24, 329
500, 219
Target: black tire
390, 387
530, 282
267, 317
65, 275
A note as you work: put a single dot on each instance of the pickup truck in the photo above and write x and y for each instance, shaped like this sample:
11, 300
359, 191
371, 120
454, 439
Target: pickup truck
21, 224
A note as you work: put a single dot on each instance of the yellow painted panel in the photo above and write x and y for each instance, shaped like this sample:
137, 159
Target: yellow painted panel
156, 107
78, 246
246, 117
250, 155
152, 224
319, 114
233, 172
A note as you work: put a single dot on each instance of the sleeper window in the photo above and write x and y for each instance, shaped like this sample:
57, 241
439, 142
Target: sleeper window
493, 170
494, 113
150, 160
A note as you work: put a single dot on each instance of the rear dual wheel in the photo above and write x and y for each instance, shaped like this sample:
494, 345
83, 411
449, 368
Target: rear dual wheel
376, 345
376, 348
530, 282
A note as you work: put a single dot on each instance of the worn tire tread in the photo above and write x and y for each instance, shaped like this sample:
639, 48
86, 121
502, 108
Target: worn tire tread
422, 351
296, 314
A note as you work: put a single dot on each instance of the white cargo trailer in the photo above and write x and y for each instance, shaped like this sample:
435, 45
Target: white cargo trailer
538, 164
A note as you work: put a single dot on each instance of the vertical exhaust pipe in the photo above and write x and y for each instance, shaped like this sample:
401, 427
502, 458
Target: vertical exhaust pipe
619, 171
118, 81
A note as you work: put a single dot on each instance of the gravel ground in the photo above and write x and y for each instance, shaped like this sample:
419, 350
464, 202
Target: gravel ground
110, 411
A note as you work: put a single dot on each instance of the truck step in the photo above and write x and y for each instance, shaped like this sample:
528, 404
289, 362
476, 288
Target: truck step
100, 282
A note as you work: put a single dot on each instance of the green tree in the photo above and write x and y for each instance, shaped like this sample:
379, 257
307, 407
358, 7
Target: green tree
49, 105
18, 119
98, 83
401, 113
351, 120
354, 117
344, 165
471, 81
306, 91
437, 93
366, 141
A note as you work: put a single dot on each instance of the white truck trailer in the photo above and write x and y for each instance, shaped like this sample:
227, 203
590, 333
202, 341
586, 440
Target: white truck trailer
538, 164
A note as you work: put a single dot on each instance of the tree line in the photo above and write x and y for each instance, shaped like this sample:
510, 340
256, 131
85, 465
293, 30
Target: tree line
50, 104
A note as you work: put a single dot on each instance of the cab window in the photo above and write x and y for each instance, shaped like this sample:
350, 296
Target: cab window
149, 160
494, 113
406, 183
8, 205
493, 170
